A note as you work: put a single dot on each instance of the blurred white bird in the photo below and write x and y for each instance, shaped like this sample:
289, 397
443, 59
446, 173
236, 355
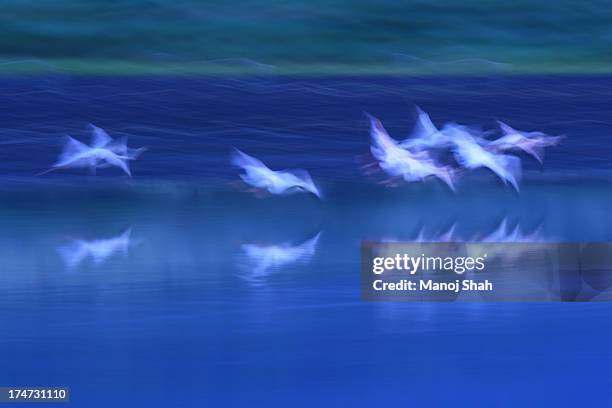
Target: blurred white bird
524, 243
267, 258
399, 162
501, 234
471, 155
98, 250
445, 236
103, 152
119, 146
425, 134
504, 234
532, 143
449, 236
261, 177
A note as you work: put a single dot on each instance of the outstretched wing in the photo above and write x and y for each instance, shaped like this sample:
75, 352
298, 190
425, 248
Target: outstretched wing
508, 168
116, 161
240, 159
118, 146
536, 152
381, 141
506, 129
301, 178
72, 148
424, 127
99, 137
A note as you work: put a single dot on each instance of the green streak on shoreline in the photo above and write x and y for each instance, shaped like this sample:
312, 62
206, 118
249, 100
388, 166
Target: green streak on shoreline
139, 68
317, 37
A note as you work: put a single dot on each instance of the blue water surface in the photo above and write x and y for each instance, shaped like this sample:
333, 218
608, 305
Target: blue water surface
182, 315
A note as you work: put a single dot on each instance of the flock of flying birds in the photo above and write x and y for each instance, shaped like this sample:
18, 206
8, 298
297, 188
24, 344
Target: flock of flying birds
425, 153
428, 153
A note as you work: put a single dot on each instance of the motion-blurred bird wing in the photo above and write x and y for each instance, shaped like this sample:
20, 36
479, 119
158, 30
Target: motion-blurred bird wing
99, 137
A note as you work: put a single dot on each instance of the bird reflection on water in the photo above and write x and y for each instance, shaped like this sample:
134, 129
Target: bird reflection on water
263, 260
98, 250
